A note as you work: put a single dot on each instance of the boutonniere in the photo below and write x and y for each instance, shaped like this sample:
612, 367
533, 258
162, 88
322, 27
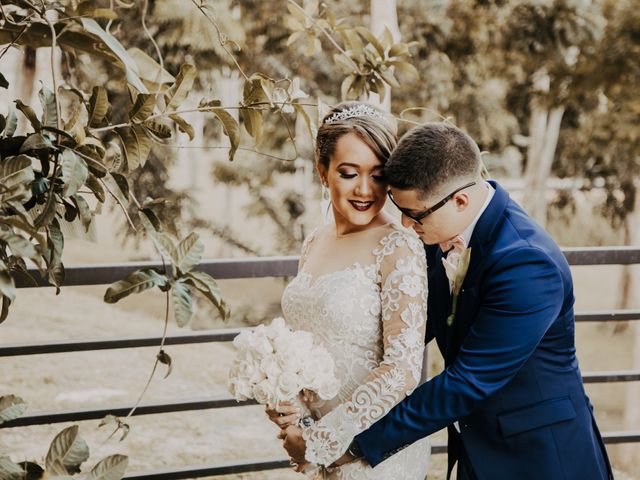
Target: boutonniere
456, 265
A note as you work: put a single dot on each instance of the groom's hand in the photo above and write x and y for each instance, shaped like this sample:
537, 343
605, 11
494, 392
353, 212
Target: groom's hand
294, 445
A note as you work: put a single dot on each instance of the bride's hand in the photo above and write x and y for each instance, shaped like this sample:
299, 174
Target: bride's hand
284, 415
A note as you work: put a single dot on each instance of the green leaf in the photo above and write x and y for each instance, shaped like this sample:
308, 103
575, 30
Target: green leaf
16, 178
183, 125
182, 307
96, 187
93, 158
137, 145
3, 81
307, 120
370, 37
164, 358
12, 123
10, 470
7, 286
182, 86
33, 470
122, 182
110, 468
74, 172
189, 252
87, 9
151, 73
388, 77
55, 245
209, 287
36, 141
98, 106
11, 407
131, 69
158, 128
30, 114
20, 246
135, 282
69, 448
162, 242
406, 68
143, 107
48, 212
50, 112
398, 50
83, 210
231, 129
346, 86
6, 303
252, 119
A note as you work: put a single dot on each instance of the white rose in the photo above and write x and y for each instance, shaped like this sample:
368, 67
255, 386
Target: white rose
270, 367
240, 389
263, 392
288, 361
310, 372
287, 387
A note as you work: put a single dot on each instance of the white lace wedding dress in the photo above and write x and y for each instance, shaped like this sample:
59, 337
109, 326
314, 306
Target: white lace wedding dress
363, 295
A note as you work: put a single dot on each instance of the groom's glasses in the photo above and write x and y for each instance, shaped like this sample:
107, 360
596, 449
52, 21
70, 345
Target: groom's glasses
418, 217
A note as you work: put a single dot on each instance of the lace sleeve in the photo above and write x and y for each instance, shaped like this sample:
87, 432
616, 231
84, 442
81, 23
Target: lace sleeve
403, 281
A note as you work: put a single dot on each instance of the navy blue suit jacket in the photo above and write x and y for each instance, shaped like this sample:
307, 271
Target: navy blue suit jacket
511, 376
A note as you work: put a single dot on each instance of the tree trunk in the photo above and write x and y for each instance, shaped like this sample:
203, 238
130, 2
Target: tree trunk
384, 14
544, 132
230, 88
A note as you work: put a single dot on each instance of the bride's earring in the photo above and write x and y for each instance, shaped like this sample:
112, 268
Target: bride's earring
325, 193
325, 204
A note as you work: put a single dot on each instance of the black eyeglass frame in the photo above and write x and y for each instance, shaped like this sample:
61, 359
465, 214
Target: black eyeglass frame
421, 215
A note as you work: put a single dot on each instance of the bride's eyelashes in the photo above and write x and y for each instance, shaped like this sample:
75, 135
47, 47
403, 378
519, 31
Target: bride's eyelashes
348, 176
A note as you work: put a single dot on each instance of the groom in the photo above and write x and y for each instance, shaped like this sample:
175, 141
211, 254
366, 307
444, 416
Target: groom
511, 393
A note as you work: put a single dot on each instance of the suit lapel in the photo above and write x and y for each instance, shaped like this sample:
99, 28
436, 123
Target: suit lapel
450, 338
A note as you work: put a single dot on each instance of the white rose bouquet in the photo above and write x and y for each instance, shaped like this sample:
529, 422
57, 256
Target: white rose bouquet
274, 364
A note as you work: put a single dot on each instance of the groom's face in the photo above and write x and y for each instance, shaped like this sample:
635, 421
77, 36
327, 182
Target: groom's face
437, 227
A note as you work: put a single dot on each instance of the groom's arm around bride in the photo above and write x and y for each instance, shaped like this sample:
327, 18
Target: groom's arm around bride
511, 393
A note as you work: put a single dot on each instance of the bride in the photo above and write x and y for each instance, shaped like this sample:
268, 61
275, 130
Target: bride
361, 289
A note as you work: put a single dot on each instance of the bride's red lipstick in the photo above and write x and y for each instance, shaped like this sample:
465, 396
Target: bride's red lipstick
361, 206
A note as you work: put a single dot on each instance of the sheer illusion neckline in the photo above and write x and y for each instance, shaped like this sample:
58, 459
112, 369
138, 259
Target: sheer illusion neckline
314, 280
349, 234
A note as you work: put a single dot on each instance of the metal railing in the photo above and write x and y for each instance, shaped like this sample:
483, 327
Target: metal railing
256, 268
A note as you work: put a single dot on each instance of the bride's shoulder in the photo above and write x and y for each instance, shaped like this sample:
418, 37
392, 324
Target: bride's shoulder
395, 237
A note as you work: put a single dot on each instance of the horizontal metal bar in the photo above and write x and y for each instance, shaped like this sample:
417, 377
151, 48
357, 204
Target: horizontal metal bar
221, 335
235, 467
608, 316
103, 274
230, 467
611, 376
222, 468
602, 255
43, 418
224, 402
256, 267
621, 437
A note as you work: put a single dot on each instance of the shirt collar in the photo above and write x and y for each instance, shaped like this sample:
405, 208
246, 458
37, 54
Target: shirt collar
466, 235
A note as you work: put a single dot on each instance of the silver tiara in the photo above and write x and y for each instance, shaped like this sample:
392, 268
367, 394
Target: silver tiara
359, 110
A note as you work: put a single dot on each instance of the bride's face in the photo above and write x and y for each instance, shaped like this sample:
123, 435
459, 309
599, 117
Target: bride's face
356, 183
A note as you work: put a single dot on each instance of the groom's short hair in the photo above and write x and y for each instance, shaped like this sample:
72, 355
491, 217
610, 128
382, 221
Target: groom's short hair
431, 156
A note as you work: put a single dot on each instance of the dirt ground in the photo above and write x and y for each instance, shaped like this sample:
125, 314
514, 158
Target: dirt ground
115, 377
